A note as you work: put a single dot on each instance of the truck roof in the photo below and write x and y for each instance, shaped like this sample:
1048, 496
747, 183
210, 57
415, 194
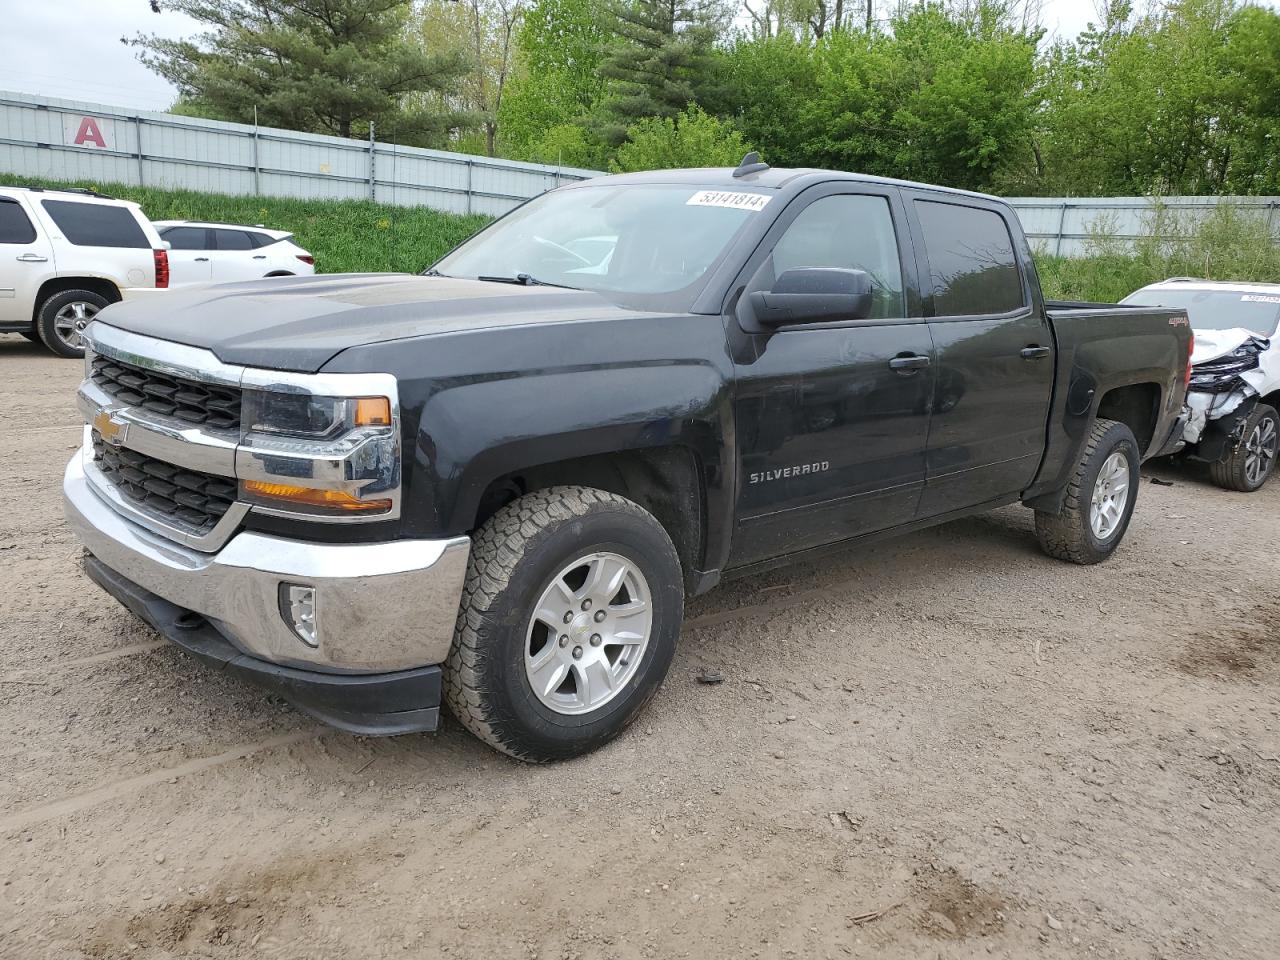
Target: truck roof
771, 178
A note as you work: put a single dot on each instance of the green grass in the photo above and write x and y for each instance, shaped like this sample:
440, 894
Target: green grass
346, 236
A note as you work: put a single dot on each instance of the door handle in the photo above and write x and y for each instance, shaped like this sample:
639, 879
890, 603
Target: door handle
1034, 352
260, 256
201, 260
908, 363
32, 258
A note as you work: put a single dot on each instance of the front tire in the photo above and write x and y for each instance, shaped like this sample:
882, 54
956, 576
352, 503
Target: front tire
1247, 467
1100, 498
570, 615
64, 316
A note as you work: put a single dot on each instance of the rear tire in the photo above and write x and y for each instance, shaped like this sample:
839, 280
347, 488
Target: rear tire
1248, 466
1100, 498
570, 614
62, 318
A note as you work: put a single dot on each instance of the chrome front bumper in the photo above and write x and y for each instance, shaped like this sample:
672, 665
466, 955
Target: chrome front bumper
381, 607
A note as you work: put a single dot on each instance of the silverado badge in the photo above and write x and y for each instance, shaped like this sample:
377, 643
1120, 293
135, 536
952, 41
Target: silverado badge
111, 430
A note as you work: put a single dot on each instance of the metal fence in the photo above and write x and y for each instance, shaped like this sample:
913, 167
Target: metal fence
1062, 226
69, 140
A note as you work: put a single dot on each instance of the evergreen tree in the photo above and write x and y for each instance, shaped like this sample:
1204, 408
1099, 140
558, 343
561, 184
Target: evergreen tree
660, 61
328, 66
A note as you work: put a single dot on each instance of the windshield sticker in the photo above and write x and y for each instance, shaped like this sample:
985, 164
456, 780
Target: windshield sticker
722, 198
1258, 298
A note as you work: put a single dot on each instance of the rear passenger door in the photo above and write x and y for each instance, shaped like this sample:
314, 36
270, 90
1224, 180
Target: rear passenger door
994, 354
235, 256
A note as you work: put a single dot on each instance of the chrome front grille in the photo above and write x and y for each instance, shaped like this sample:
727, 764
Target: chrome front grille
197, 500
208, 405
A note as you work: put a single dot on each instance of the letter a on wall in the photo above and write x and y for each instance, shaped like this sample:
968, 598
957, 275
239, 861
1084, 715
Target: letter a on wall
93, 133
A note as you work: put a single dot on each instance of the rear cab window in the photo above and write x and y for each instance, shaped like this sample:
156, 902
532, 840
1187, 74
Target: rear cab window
973, 269
15, 226
96, 224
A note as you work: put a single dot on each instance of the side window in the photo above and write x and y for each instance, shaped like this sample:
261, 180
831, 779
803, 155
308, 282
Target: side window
96, 224
14, 225
844, 230
971, 261
259, 239
232, 240
186, 238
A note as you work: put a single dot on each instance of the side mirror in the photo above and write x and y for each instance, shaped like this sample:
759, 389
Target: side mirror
813, 295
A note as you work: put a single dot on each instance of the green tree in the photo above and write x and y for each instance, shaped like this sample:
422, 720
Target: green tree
946, 96
329, 66
556, 83
691, 139
660, 62
765, 86
1145, 104
483, 32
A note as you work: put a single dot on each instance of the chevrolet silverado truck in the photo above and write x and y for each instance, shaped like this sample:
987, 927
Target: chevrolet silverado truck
491, 487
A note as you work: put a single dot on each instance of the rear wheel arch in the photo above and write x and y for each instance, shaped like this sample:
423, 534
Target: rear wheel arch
55, 285
1137, 406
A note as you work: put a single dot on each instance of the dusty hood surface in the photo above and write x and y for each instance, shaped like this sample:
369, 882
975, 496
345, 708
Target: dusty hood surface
300, 323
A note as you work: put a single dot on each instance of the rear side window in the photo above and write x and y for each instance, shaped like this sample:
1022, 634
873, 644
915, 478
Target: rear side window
232, 240
96, 224
971, 261
186, 238
261, 239
14, 225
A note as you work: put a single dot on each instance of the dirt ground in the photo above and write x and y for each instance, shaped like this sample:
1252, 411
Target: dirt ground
945, 746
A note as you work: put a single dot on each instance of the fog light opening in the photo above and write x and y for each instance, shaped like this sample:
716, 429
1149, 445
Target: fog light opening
298, 608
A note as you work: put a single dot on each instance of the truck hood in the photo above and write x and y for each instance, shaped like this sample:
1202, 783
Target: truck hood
300, 323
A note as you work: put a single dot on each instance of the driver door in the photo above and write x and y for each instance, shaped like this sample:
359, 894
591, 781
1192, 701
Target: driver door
832, 425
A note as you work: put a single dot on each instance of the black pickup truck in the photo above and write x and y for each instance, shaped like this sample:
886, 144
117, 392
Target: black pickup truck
493, 486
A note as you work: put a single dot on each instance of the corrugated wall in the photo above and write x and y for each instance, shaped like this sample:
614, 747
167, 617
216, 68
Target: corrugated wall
1064, 225
69, 140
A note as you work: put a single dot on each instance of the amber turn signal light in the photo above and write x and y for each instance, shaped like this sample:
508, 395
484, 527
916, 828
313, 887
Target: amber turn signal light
373, 412
311, 497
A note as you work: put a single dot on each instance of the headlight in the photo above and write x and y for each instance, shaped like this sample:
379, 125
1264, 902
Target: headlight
309, 417
321, 455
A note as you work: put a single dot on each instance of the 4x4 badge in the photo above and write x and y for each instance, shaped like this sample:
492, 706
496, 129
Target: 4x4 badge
111, 430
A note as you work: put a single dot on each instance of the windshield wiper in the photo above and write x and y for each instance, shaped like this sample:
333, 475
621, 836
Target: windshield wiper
526, 280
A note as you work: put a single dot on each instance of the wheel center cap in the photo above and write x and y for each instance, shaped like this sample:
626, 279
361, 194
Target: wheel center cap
581, 625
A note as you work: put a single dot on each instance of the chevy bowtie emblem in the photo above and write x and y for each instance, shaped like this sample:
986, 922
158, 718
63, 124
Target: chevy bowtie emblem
111, 430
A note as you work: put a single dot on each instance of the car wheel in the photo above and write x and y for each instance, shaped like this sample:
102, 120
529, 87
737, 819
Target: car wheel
1100, 498
64, 316
1247, 466
570, 614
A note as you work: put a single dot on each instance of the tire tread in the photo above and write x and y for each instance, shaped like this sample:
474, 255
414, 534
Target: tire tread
1062, 535
497, 549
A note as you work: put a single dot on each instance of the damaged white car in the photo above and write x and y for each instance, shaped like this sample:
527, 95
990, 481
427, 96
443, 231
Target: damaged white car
1230, 420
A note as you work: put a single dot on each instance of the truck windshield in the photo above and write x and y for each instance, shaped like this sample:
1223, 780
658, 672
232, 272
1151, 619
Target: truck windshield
644, 246
1217, 309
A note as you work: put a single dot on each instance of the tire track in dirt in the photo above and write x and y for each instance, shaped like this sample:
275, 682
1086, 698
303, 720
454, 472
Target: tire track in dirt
65, 806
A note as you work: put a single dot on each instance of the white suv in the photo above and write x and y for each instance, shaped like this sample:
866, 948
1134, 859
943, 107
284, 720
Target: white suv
66, 254
222, 252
